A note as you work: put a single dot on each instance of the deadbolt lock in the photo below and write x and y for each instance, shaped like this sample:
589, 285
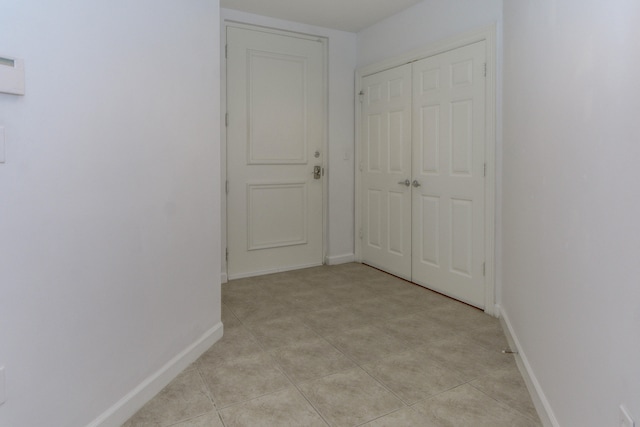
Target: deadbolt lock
317, 172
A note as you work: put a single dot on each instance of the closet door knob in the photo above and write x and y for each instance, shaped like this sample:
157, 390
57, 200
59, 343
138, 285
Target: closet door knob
415, 183
406, 182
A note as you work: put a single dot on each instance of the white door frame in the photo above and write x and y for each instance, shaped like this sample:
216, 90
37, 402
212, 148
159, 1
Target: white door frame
487, 34
223, 132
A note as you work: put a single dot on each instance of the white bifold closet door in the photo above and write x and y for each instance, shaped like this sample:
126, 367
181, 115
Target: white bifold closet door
386, 171
432, 110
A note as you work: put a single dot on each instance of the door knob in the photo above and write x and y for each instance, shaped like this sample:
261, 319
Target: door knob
406, 182
415, 183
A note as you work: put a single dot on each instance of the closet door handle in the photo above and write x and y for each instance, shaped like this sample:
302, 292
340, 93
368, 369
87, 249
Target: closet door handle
406, 182
415, 183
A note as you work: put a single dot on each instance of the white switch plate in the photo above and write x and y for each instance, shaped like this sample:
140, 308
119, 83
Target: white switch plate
3, 392
625, 418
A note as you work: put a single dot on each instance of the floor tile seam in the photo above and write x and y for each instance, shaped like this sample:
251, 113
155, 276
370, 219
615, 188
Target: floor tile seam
240, 402
502, 402
457, 378
439, 393
386, 388
318, 337
209, 391
282, 369
194, 417
385, 415
455, 373
304, 396
274, 363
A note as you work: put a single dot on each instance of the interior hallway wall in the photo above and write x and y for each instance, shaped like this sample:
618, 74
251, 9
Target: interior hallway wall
423, 24
109, 200
572, 202
340, 160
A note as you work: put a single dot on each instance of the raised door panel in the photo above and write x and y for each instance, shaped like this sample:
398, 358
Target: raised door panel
386, 155
448, 163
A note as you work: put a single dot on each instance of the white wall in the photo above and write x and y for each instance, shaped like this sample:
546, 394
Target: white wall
571, 218
109, 200
342, 64
427, 22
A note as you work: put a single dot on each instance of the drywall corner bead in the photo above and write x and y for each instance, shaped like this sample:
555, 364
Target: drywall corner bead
11, 75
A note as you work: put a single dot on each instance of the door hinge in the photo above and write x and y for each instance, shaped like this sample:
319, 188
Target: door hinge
226, 254
485, 69
360, 234
360, 166
361, 94
226, 51
484, 268
226, 119
226, 187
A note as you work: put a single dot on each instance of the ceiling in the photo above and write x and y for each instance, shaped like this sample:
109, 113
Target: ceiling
346, 15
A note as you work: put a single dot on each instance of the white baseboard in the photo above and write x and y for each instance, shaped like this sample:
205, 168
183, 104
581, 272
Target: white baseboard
339, 259
223, 278
538, 397
124, 409
271, 271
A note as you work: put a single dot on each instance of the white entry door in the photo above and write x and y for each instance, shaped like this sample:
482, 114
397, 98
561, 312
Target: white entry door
386, 170
275, 134
448, 173
425, 123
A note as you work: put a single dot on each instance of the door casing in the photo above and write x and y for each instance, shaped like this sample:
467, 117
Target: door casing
487, 34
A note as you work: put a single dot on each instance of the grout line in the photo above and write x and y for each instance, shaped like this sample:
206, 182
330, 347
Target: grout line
337, 281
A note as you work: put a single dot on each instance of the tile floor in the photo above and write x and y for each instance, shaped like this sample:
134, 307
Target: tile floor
346, 345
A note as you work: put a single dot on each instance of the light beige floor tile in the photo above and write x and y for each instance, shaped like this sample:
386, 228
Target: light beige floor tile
367, 344
412, 379
264, 311
405, 417
234, 343
350, 398
460, 316
489, 336
417, 330
229, 320
286, 286
311, 300
410, 339
281, 332
381, 309
305, 360
315, 275
243, 378
430, 299
285, 408
469, 360
211, 419
381, 285
353, 271
507, 386
465, 406
331, 320
185, 397
350, 293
